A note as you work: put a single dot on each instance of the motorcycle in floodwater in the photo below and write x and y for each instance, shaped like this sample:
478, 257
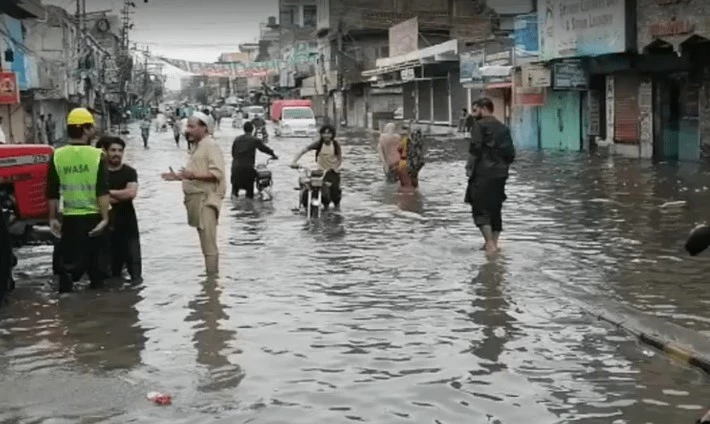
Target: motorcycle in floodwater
310, 191
264, 183
262, 134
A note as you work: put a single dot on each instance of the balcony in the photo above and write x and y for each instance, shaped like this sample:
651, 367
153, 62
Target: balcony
375, 20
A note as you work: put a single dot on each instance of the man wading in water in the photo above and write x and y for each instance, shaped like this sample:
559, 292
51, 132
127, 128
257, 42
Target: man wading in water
490, 154
204, 187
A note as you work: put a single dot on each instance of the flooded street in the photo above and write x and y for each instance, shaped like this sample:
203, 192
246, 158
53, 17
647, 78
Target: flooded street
384, 312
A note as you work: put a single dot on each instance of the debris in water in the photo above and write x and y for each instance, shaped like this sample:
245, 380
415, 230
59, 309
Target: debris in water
161, 399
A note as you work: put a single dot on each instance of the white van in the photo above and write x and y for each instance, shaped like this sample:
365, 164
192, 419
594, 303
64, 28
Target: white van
297, 121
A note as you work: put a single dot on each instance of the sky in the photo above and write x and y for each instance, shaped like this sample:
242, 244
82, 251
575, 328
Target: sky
197, 30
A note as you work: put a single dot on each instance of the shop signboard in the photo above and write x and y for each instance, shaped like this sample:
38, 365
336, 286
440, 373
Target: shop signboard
498, 55
526, 95
9, 92
576, 28
526, 36
470, 67
536, 76
407, 74
569, 75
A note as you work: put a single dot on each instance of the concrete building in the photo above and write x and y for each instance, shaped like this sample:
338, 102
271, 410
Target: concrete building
410, 58
298, 46
18, 123
673, 79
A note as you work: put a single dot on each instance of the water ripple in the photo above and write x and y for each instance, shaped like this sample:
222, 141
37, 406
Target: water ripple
383, 312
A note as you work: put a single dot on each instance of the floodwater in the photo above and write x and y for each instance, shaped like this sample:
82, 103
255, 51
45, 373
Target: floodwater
384, 312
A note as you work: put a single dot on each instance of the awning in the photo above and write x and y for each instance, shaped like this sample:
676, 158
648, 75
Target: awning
447, 51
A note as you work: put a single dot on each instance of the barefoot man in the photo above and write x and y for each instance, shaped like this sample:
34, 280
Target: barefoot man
204, 186
491, 153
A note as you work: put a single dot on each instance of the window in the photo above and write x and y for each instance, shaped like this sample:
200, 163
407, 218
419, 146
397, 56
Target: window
310, 16
287, 16
297, 113
384, 51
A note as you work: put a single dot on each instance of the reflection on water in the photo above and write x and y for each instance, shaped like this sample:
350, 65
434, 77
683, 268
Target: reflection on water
384, 311
490, 310
212, 341
102, 330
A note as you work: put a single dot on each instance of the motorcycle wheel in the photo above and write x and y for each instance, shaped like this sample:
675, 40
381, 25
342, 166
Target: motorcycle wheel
315, 209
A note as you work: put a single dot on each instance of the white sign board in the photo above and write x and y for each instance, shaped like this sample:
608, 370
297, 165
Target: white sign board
536, 76
407, 74
575, 28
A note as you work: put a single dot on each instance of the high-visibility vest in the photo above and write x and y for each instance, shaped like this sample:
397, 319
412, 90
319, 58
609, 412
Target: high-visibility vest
78, 167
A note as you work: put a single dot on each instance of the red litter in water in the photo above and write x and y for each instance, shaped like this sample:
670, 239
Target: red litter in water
160, 398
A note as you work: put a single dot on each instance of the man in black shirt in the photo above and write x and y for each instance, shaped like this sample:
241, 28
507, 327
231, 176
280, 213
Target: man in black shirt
243, 159
490, 155
123, 188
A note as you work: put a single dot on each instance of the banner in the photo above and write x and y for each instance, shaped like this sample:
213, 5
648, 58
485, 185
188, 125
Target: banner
578, 28
526, 36
9, 92
237, 70
470, 66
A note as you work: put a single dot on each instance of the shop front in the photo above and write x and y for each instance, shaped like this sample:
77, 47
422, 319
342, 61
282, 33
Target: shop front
428, 79
561, 120
674, 38
530, 82
569, 38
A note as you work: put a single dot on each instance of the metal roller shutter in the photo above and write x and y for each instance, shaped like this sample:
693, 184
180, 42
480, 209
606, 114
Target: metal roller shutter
626, 107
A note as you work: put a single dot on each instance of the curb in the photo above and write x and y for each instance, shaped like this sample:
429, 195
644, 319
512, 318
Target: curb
673, 350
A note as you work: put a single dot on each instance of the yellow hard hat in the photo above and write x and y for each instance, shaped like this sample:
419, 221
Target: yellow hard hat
80, 116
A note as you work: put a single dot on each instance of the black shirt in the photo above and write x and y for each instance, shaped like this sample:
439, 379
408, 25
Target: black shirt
244, 150
491, 150
123, 214
53, 184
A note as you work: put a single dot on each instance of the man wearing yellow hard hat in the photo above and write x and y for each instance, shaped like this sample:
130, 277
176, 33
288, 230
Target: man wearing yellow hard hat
78, 174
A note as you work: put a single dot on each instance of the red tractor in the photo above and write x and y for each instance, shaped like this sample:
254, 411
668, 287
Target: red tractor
23, 203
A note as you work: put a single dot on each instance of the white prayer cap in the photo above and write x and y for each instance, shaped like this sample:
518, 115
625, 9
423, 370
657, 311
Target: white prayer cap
202, 117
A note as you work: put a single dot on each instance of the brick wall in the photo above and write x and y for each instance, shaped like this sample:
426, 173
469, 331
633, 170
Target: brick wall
656, 15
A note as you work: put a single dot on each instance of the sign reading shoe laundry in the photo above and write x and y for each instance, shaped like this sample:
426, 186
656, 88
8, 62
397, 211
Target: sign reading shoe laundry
575, 28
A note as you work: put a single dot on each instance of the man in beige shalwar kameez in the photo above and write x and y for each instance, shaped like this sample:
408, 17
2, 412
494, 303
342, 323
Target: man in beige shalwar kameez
203, 182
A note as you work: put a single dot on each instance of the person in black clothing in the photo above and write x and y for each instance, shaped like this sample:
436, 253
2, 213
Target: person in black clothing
7, 259
491, 153
123, 188
243, 159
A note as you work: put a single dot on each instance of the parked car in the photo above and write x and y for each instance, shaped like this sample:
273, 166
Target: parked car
278, 105
296, 121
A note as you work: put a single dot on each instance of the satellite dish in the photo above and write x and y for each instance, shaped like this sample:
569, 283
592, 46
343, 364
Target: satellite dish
103, 25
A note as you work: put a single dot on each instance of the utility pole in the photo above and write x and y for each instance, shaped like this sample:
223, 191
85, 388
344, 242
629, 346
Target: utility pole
82, 45
146, 75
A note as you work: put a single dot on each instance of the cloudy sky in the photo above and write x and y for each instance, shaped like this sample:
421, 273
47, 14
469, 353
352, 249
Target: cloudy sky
197, 30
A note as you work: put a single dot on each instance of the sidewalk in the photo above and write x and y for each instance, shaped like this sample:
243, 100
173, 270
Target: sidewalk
681, 344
